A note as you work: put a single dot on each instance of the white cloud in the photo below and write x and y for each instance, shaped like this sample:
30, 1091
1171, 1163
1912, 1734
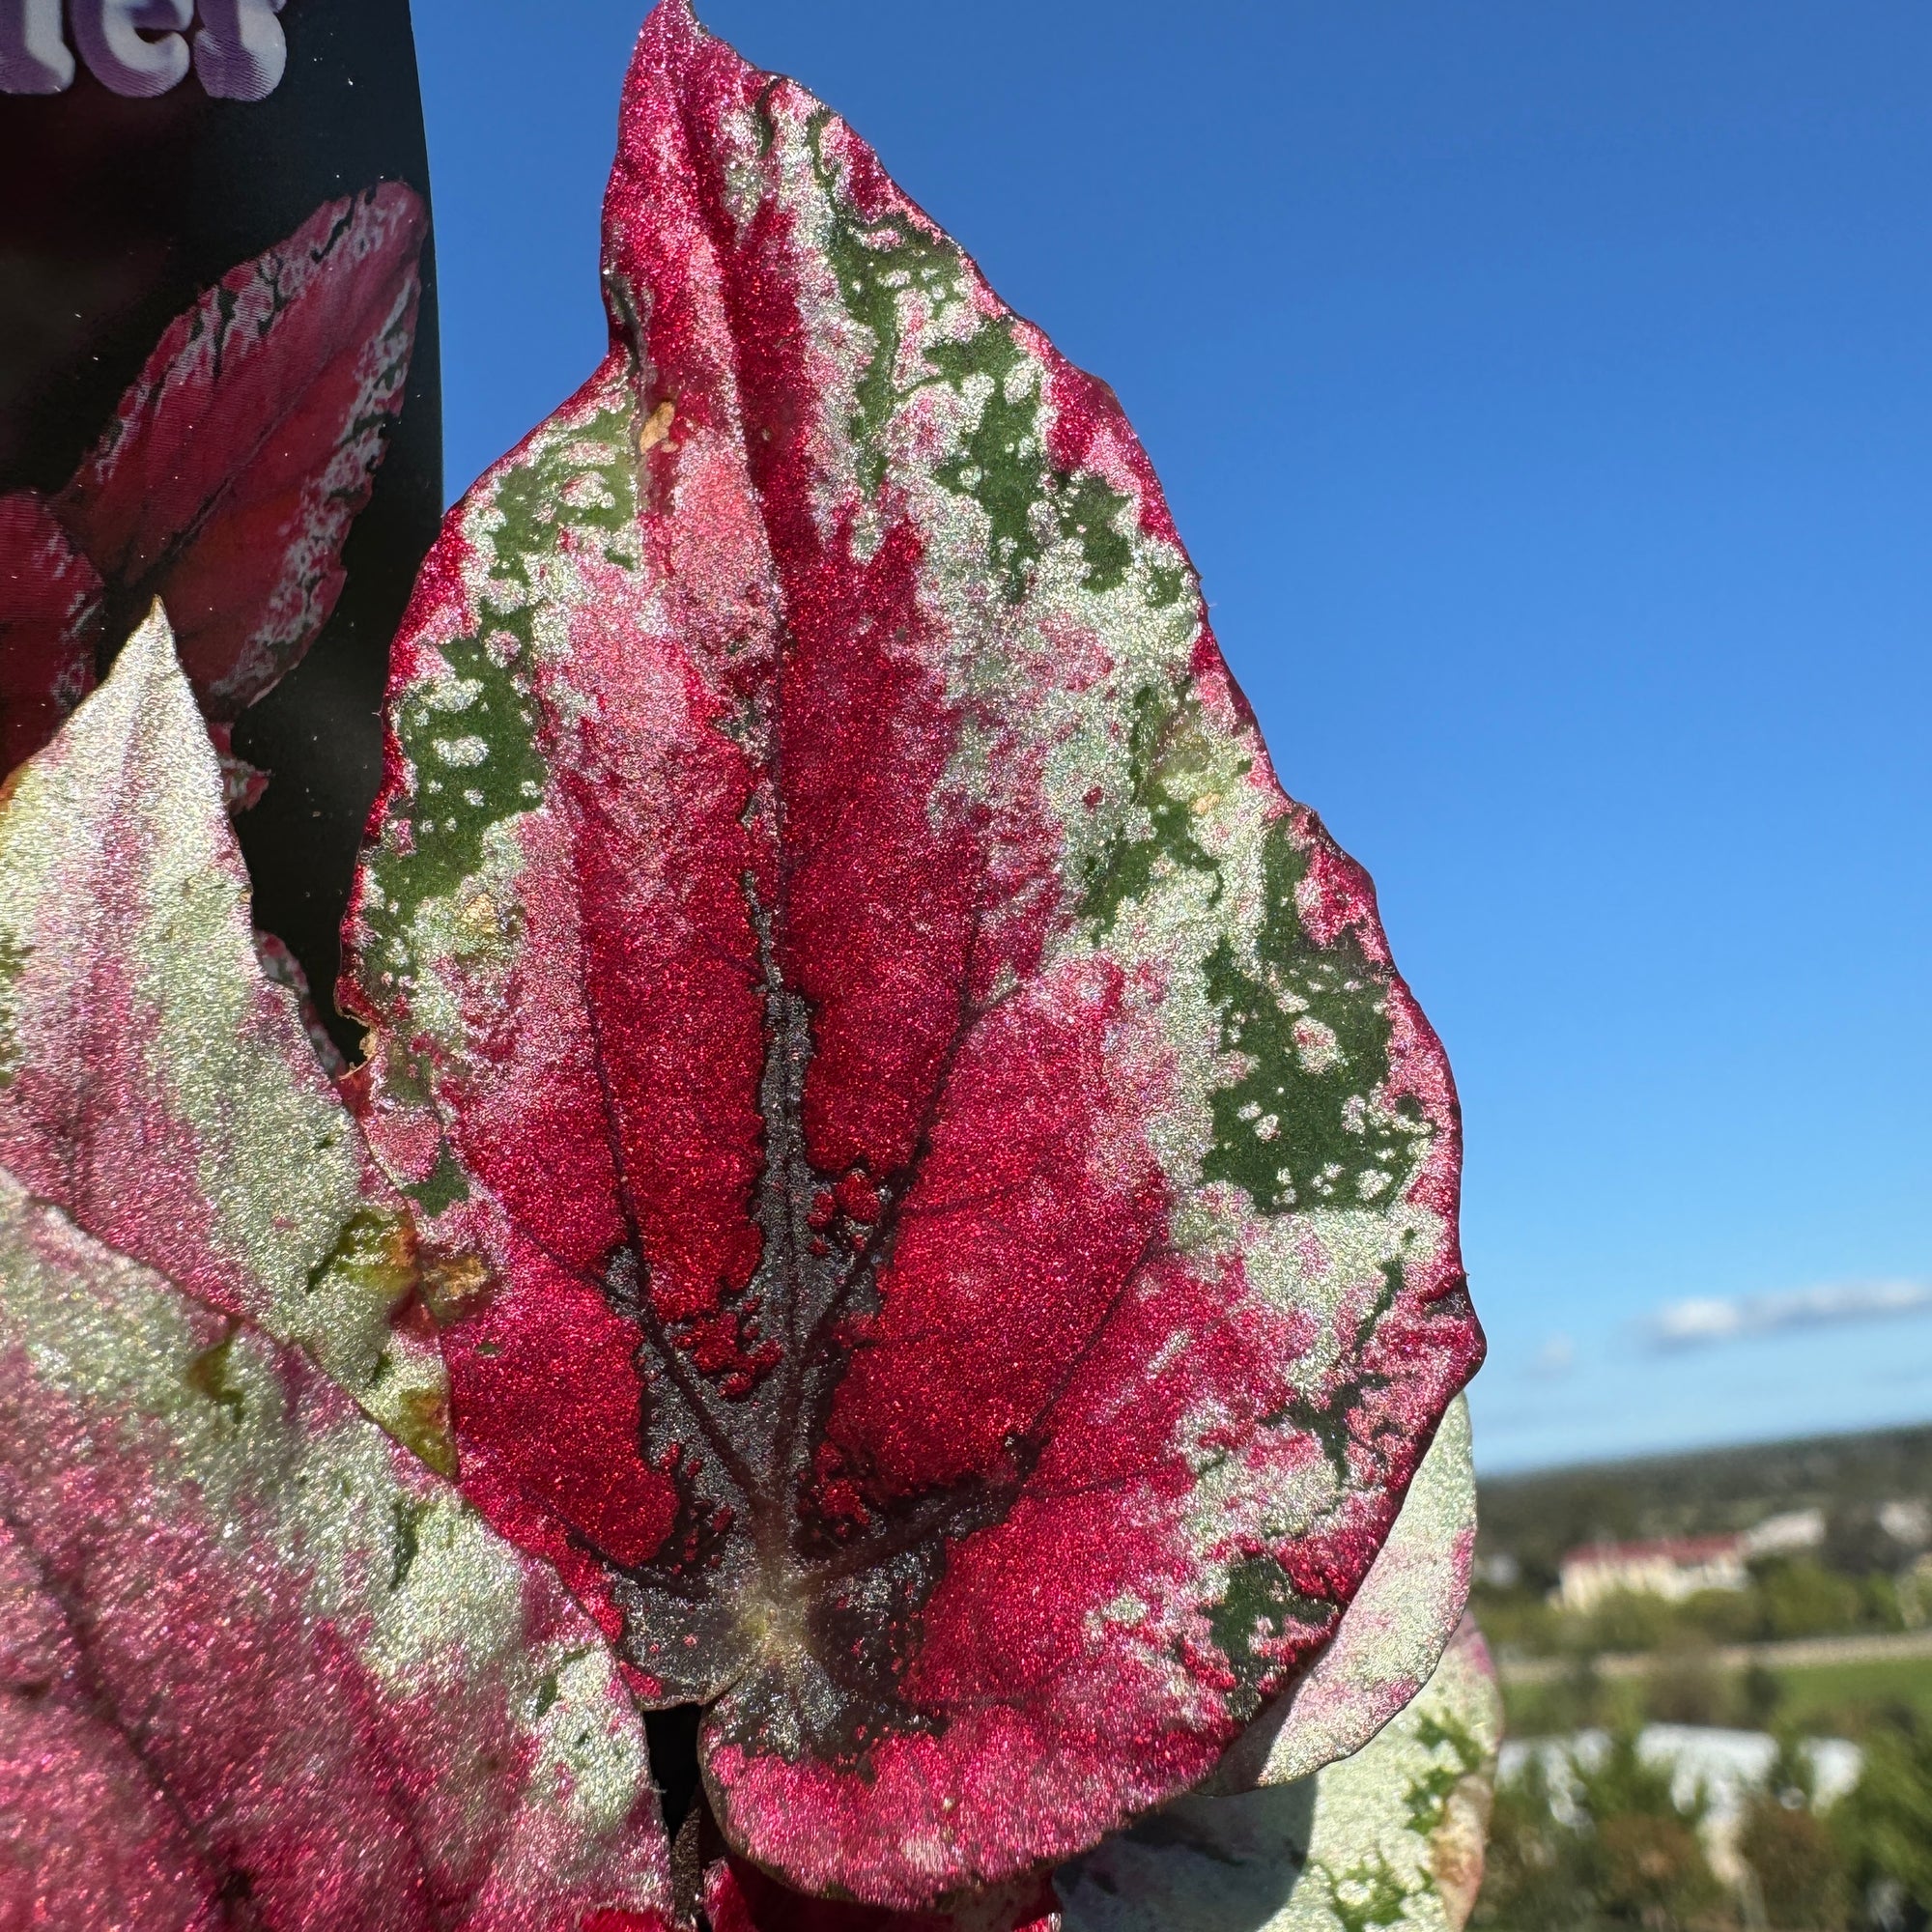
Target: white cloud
1557, 1357
1709, 1319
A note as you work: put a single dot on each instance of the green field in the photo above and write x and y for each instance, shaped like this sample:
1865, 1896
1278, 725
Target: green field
1830, 1700
1843, 1697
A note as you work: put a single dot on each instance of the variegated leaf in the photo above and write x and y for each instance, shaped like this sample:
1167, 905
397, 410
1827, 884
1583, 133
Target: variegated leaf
1390, 1838
261, 1668
50, 602
962, 1206
1390, 1637
227, 481
1385, 1650
156, 1085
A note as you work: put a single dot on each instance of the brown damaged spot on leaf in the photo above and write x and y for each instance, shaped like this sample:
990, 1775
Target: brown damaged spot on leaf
657, 426
456, 1286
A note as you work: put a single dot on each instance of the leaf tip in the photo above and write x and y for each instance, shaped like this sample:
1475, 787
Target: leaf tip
150, 658
152, 643
407, 214
670, 30
147, 692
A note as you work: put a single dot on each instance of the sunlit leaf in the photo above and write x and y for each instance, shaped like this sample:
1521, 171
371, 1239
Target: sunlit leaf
961, 1208
1385, 1650
49, 625
1390, 1637
258, 1668
228, 479
1391, 1836
156, 1085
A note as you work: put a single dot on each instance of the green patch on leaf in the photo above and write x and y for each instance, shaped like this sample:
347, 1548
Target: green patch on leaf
370, 1272
1330, 1421
472, 766
1301, 1126
581, 480
408, 1545
1427, 1797
1256, 1611
1088, 507
1166, 584
444, 1186
1001, 463
1366, 1894
876, 263
1372, 1316
374, 1260
12, 962
1125, 868
212, 1373
470, 735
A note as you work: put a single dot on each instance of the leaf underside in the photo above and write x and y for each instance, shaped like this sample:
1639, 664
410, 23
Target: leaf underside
220, 1585
955, 1209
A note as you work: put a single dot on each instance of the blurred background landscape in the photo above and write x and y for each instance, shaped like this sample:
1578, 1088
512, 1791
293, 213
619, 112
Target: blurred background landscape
1718, 1672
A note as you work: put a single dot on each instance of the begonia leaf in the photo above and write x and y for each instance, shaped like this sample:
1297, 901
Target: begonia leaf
50, 601
232, 469
153, 1082
1390, 1837
1390, 1637
962, 1208
258, 1668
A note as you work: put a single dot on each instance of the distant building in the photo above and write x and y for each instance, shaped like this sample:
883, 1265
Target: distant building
1784, 1534
1671, 1567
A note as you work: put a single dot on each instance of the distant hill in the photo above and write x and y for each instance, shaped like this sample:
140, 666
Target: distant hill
1536, 1518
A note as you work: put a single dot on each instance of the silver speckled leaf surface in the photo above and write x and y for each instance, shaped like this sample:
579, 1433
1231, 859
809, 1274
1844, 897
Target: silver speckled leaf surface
1391, 1637
262, 1668
155, 1084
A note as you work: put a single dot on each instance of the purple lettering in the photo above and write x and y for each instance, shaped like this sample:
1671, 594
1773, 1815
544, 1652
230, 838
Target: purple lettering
34, 58
115, 43
239, 52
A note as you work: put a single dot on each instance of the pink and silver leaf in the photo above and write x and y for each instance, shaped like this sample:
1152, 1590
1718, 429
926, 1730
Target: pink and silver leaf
157, 1084
960, 1207
1391, 1637
258, 1668
1391, 1835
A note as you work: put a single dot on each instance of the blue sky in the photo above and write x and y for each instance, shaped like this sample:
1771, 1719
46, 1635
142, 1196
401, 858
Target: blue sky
1546, 396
